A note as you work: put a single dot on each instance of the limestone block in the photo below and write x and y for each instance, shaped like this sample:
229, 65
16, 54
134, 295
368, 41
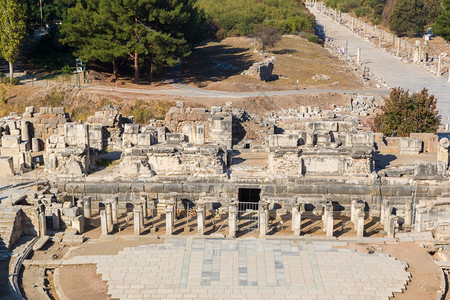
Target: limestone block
76, 135
11, 141
29, 110
78, 224
410, 145
144, 139
283, 140
131, 128
6, 166
312, 127
174, 138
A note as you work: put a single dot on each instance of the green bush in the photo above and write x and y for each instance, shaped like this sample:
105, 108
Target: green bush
66, 69
404, 113
314, 39
8, 80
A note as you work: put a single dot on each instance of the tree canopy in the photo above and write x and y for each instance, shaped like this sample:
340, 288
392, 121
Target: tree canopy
12, 30
404, 113
153, 33
408, 17
442, 25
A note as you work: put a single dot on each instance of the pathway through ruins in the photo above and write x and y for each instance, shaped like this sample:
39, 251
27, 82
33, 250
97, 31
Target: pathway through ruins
391, 69
247, 269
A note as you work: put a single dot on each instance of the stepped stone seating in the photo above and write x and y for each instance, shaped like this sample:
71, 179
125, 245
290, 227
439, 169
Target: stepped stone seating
10, 226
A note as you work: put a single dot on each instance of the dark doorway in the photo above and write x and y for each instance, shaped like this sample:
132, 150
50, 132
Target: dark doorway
249, 195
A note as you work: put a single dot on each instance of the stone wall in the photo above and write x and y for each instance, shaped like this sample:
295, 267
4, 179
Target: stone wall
45, 122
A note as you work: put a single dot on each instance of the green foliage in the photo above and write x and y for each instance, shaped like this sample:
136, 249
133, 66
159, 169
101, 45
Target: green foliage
12, 30
9, 81
240, 17
442, 25
408, 17
54, 99
372, 9
154, 32
3, 95
66, 69
142, 112
404, 113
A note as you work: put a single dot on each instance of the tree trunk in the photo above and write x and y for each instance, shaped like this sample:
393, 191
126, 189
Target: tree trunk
136, 67
115, 72
11, 71
151, 72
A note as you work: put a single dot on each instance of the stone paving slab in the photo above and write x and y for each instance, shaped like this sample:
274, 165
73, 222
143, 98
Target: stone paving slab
248, 269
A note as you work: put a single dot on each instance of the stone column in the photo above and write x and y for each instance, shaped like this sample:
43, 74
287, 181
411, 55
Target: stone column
439, 66
398, 46
56, 219
104, 222
330, 224
108, 208
358, 56
263, 219
386, 213
391, 226
137, 221
364, 31
115, 210
408, 214
141, 219
200, 218
418, 224
232, 219
144, 201
25, 130
360, 225
327, 209
42, 224
169, 219
353, 215
87, 207
297, 219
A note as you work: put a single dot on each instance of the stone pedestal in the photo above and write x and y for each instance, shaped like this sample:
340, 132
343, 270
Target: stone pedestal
169, 219
137, 221
360, 225
56, 219
352, 211
358, 56
42, 224
35, 145
201, 219
263, 219
104, 222
78, 224
232, 218
296, 219
391, 226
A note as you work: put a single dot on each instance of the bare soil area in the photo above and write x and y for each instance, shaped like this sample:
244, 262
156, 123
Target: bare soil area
218, 66
424, 272
82, 283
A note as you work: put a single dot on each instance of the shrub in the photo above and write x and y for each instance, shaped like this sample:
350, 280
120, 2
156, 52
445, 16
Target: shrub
267, 36
66, 69
404, 113
314, 39
8, 80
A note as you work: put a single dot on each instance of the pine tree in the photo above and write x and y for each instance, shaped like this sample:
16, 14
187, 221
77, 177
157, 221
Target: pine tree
408, 17
156, 32
441, 26
12, 31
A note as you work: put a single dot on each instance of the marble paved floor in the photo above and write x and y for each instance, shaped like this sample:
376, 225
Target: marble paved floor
248, 269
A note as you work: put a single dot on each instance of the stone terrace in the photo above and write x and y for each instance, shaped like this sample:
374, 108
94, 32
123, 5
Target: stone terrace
248, 269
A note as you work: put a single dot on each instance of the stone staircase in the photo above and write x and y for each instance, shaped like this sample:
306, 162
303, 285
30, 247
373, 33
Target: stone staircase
9, 224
